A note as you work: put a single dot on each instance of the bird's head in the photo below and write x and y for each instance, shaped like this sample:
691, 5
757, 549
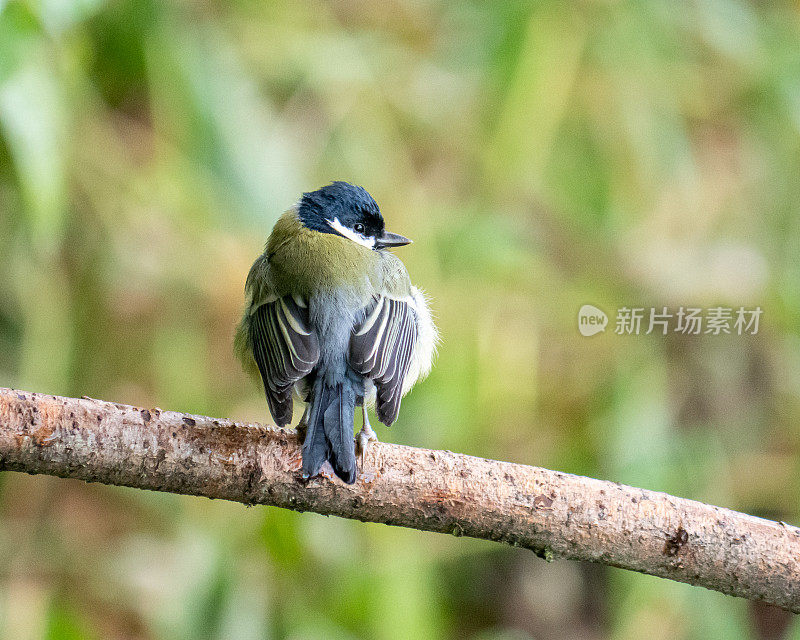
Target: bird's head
347, 211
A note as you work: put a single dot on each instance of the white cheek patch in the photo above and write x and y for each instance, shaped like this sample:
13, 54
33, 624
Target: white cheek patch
369, 243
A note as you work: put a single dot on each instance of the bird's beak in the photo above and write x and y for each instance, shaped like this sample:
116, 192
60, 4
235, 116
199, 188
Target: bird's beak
388, 239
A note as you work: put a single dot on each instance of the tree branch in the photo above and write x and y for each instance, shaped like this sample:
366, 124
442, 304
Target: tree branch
557, 515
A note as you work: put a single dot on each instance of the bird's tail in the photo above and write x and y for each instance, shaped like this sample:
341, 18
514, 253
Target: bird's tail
330, 430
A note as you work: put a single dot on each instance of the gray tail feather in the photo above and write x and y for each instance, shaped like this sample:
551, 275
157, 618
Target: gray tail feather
330, 430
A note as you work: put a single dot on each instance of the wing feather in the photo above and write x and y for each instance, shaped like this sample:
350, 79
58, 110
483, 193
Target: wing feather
285, 349
381, 348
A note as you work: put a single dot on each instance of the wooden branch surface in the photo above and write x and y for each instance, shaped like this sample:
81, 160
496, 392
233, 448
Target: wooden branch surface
557, 515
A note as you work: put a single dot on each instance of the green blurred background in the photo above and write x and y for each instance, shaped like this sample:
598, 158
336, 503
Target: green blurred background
542, 155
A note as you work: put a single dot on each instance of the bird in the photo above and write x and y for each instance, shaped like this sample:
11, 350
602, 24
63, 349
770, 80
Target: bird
331, 318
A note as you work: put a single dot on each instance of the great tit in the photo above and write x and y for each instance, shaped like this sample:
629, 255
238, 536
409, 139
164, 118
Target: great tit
332, 318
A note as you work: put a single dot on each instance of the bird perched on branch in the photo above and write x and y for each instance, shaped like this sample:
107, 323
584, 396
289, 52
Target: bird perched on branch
332, 318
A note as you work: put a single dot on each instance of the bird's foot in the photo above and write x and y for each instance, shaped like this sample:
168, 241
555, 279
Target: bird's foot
302, 429
364, 437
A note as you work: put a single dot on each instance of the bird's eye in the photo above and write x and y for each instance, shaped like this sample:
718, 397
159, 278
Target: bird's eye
358, 227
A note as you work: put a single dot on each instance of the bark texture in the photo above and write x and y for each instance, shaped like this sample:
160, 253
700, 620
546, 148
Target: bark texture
557, 515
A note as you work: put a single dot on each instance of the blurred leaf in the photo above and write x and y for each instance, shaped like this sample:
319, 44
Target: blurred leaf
59, 15
65, 624
34, 121
537, 97
207, 101
280, 533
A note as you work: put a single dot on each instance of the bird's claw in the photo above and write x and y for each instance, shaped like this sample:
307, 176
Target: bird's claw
301, 429
364, 437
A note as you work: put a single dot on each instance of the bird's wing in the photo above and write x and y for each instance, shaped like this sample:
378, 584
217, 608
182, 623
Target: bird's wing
285, 349
381, 348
